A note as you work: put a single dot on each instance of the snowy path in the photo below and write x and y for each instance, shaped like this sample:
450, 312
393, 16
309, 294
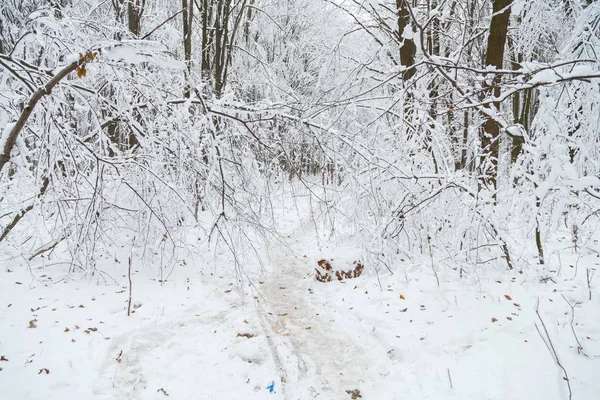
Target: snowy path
317, 351
194, 338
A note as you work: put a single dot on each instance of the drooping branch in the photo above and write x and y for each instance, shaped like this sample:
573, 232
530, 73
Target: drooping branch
24, 211
13, 134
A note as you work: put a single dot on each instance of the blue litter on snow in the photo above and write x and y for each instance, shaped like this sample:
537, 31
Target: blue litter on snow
271, 387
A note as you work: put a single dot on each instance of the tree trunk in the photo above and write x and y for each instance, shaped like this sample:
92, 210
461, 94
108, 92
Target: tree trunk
188, 17
494, 58
135, 9
219, 47
408, 49
1, 37
205, 67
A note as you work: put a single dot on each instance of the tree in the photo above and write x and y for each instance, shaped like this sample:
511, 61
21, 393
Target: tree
490, 139
188, 19
408, 49
135, 10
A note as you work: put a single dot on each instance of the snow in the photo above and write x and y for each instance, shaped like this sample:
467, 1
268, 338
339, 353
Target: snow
4, 137
202, 335
545, 76
316, 150
135, 52
554, 75
515, 130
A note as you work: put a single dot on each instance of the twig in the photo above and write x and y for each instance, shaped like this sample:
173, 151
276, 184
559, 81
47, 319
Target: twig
377, 273
46, 249
24, 211
449, 378
579, 346
129, 276
160, 25
432, 266
589, 276
548, 342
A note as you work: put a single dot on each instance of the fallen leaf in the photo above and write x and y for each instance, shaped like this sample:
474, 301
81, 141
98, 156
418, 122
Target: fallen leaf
509, 318
494, 320
81, 306
402, 297
404, 310
508, 297
516, 304
32, 324
67, 330
246, 335
354, 394
2, 358
46, 370
18, 283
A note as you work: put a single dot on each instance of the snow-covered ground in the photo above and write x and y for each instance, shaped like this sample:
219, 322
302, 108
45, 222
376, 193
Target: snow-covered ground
202, 335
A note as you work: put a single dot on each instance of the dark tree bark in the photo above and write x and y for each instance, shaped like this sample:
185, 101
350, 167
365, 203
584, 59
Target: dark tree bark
1, 37
221, 37
433, 47
408, 49
188, 18
494, 58
135, 9
205, 40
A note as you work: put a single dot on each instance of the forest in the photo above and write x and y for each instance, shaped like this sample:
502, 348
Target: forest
374, 199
